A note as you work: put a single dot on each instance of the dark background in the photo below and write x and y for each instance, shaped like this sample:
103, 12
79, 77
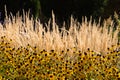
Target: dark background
63, 9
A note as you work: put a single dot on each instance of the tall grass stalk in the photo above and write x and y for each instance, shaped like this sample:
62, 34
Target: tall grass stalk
25, 30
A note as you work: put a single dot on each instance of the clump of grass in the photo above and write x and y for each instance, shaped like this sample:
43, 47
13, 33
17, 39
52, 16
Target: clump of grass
24, 30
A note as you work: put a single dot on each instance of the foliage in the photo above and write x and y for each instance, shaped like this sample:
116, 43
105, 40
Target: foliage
13, 6
99, 8
79, 8
63, 8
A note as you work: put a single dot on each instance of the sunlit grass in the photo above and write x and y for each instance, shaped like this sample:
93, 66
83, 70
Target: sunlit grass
24, 30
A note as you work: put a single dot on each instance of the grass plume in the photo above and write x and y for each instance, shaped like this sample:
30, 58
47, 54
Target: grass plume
24, 30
